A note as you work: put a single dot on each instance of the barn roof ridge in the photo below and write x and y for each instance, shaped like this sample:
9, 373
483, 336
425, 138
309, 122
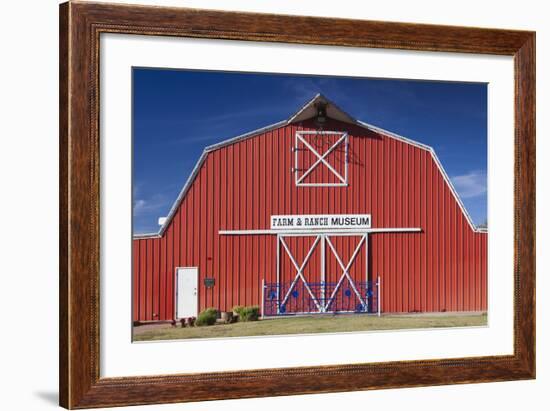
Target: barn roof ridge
300, 115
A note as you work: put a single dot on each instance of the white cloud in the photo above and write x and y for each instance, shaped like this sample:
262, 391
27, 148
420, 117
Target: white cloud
472, 184
146, 206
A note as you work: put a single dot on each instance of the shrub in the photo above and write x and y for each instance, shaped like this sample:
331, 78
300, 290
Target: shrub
207, 317
251, 313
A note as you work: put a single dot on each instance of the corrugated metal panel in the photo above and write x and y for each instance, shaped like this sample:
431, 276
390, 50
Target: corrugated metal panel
240, 185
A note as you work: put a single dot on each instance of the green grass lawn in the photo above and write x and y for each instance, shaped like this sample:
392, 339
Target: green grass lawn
310, 325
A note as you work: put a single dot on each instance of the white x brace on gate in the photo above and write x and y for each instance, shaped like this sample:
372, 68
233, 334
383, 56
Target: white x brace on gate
323, 304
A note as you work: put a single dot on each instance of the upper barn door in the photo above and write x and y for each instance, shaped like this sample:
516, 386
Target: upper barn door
321, 158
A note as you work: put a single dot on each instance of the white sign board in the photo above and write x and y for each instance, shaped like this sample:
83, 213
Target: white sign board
320, 221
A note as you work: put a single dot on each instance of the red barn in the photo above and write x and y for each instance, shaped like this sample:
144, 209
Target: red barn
318, 213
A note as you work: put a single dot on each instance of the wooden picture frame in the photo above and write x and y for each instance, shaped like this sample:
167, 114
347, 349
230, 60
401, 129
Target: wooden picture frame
80, 27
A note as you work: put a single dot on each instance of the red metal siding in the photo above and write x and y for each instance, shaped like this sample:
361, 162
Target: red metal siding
239, 186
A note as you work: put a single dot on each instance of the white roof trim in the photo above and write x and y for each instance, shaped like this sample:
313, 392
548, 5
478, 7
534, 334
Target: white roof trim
146, 235
245, 136
294, 118
393, 135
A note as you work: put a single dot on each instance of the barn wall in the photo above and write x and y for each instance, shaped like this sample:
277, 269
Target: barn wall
239, 186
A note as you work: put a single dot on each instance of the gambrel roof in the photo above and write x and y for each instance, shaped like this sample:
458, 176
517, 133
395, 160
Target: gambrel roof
306, 112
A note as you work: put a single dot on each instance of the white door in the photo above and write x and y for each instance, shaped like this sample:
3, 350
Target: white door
186, 295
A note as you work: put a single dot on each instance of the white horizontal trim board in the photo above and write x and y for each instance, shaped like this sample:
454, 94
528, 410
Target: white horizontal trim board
341, 231
321, 132
322, 184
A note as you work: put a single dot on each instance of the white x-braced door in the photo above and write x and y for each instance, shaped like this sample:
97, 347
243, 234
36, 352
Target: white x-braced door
321, 273
321, 158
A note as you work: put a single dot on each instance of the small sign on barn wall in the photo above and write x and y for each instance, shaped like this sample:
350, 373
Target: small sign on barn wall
209, 282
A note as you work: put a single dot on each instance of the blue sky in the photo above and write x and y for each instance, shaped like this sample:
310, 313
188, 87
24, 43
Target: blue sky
176, 113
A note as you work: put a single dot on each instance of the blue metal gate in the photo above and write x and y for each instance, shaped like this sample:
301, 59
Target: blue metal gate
343, 297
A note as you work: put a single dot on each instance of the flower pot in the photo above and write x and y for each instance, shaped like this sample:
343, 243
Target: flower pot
227, 317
